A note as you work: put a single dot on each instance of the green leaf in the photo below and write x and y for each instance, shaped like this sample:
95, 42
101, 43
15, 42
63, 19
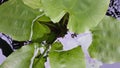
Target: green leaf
39, 30
16, 19
40, 64
84, 14
35, 4
24, 58
56, 46
44, 19
66, 59
106, 41
20, 58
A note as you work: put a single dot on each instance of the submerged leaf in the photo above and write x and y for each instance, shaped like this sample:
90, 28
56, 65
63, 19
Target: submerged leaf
66, 59
106, 41
84, 14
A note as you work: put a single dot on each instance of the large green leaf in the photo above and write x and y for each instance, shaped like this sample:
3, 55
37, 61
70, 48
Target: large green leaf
66, 59
24, 58
20, 58
17, 19
106, 41
35, 4
84, 14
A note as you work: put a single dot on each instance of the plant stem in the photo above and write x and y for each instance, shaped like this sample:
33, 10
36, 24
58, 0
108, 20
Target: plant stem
46, 49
